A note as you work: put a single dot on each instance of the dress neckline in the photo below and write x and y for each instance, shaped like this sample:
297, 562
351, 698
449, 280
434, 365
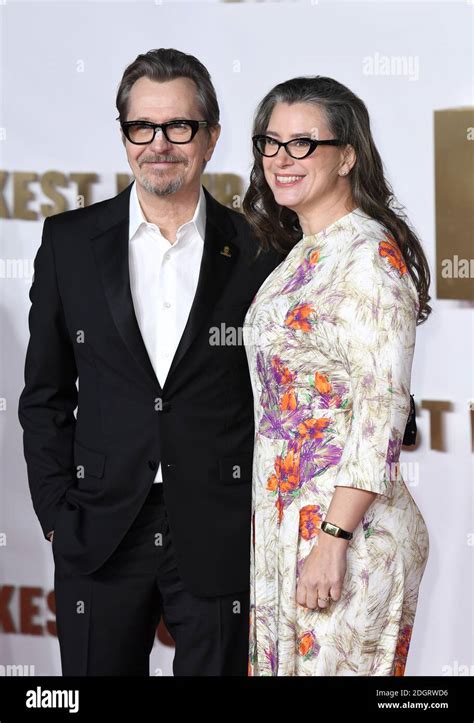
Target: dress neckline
320, 239
322, 235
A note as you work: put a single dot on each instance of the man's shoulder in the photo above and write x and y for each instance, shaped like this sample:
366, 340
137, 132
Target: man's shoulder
115, 207
244, 234
219, 210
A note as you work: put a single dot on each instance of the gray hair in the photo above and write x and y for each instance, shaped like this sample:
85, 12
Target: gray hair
165, 64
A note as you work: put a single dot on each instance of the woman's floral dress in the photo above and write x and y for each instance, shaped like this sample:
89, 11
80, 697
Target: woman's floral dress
329, 338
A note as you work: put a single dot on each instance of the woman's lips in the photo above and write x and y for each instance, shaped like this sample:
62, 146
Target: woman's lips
289, 182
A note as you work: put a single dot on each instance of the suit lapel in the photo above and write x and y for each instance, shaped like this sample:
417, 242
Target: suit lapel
111, 248
218, 261
111, 252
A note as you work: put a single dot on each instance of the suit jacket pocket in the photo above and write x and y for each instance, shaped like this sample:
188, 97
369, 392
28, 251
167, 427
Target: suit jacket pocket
233, 470
88, 462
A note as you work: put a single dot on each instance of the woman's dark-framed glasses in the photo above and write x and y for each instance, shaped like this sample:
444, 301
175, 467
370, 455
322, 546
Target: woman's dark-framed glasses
176, 131
296, 148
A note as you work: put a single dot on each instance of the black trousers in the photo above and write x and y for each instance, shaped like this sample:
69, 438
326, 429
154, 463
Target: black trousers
106, 621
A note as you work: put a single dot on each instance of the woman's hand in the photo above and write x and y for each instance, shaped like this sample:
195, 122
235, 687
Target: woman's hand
323, 572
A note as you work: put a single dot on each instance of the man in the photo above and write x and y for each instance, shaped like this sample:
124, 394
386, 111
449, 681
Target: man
147, 493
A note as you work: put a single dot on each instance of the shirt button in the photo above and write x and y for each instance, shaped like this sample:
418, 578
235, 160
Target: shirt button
166, 304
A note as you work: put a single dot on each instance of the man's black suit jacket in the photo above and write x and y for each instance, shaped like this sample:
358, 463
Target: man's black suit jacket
89, 474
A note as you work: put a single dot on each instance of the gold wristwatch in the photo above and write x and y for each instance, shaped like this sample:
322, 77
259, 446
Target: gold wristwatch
335, 531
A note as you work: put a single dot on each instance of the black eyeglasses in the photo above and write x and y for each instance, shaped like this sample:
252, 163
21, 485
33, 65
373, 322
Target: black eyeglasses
176, 131
296, 148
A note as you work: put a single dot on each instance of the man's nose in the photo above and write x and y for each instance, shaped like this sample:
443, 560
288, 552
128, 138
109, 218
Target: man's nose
160, 142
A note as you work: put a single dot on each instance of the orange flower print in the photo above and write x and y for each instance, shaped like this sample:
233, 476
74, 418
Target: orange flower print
272, 483
310, 521
280, 507
287, 473
282, 373
286, 479
322, 383
288, 400
390, 250
307, 645
401, 651
313, 428
297, 317
303, 272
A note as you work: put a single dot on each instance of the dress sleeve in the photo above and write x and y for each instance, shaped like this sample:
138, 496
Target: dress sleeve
375, 322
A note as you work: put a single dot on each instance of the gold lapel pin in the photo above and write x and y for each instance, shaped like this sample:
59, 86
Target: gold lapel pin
226, 251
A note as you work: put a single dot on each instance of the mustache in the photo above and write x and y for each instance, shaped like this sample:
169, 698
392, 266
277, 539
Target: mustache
161, 159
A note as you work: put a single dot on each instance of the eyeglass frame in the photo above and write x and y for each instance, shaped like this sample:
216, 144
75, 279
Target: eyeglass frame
313, 145
195, 125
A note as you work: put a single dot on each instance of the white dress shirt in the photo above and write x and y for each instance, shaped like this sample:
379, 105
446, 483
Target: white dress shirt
163, 281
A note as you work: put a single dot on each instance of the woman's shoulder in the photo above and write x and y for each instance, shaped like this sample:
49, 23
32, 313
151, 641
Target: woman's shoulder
372, 261
373, 250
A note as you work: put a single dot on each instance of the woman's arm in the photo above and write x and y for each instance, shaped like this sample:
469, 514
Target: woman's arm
324, 569
375, 318
347, 508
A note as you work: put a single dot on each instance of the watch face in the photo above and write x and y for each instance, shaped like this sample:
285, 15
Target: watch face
336, 531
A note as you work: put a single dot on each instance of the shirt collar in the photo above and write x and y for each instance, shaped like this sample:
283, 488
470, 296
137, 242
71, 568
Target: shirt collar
136, 217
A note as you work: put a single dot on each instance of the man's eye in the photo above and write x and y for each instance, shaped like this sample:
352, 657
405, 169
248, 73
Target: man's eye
139, 127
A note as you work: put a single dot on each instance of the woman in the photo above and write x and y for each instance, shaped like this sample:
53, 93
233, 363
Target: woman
330, 338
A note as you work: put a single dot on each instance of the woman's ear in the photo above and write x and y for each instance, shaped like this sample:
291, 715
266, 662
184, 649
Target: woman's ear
348, 160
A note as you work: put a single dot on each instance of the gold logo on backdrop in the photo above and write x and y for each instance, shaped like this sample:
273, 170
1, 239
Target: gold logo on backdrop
454, 160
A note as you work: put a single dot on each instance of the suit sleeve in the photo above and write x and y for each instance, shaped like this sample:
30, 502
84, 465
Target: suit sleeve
376, 323
49, 397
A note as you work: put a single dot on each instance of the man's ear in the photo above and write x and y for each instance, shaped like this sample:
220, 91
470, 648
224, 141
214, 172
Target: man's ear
214, 133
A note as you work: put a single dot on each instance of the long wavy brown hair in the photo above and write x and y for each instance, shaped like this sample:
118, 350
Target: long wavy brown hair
348, 120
